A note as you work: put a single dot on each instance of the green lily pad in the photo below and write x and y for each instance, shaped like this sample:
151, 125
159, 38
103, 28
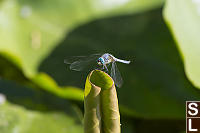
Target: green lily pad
18, 119
183, 18
30, 110
155, 85
41, 80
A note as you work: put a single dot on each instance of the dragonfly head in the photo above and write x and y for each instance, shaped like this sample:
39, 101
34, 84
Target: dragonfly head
100, 61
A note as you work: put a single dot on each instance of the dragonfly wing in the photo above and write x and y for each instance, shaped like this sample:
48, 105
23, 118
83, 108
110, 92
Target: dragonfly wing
72, 59
115, 74
80, 63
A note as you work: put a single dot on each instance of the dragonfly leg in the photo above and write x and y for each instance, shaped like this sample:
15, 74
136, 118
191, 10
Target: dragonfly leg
106, 67
101, 68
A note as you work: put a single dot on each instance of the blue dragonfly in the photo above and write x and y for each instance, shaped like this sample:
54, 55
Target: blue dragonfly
98, 61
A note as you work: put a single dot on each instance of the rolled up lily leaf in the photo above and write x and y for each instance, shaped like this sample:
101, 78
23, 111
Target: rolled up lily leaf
101, 104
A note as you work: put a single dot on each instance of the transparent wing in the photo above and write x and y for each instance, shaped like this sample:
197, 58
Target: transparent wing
71, 59
80, 63
115, 74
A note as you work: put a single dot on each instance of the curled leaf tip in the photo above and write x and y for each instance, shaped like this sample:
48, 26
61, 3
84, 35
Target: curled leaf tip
101, 79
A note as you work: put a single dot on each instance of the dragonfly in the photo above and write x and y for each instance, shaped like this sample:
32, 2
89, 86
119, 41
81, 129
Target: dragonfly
100, 62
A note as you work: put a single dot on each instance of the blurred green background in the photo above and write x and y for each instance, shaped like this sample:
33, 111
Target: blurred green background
38, 92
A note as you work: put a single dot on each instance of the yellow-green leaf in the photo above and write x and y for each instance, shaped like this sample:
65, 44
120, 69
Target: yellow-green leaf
183, 18
101, 104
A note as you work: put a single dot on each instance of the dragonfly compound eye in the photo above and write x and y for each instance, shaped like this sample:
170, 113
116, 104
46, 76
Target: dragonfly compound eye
100, 61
